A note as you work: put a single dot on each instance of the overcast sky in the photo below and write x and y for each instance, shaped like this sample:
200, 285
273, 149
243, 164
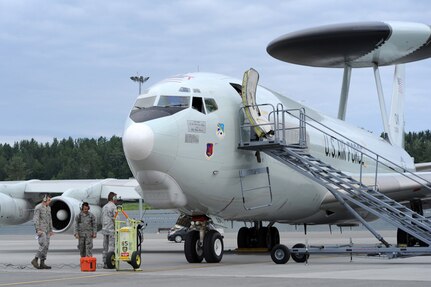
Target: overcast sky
65, 65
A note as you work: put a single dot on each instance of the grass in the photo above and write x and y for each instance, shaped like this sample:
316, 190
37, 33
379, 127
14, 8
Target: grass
135, 206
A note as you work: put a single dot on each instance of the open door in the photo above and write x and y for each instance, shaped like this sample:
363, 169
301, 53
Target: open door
260, 124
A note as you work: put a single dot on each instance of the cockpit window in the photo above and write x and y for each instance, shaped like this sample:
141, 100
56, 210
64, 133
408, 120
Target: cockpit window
174, 101
184, 90
198, 105
145, 102
211, 105
166, 106
237, 87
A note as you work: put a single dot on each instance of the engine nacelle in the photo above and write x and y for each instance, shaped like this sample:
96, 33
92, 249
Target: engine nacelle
14, 210
64, 210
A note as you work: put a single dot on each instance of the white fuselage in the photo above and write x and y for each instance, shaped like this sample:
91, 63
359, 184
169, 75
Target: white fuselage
189, 159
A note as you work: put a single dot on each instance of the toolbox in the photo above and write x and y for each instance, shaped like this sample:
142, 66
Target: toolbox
88, 264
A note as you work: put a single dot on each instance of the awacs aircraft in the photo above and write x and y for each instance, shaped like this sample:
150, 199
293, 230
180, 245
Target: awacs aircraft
216, 147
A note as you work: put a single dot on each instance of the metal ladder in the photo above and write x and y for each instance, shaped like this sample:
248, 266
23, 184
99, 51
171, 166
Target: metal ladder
347, 190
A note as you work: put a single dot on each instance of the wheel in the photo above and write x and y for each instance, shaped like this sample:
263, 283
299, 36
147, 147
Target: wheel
110, 260
192, 249
178, 238
263, 238
213, 246
136, 260
299, 257
402, 238
405, 239
253, 237
280, 254
243, 240
274, 237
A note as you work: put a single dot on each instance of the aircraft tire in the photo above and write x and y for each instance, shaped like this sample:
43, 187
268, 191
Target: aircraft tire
243, 238
274, 237
213, 246
192, 249
264, 239
110, 260
405, 239
402, 238
253, 237
299, 258
280, 254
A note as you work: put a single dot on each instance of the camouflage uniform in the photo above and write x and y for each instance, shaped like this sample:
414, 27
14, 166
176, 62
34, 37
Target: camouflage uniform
108, 228
86, 229
43, 223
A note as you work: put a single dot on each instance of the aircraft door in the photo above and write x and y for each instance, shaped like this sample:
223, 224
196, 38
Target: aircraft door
255, 188
260, 123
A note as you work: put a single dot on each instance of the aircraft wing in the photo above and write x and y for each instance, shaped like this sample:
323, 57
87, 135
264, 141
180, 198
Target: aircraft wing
423, 166
127, 189
18, 198
399, 187
404, 189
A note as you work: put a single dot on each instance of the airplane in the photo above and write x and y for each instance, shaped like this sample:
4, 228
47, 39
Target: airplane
18, 199
219, 148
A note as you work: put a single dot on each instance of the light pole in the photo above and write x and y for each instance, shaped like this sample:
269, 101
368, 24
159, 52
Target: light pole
140, 80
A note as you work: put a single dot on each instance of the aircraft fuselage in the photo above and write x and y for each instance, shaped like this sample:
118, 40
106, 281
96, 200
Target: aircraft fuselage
181, 143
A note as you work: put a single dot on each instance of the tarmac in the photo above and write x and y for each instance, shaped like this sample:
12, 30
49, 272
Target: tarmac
164, 264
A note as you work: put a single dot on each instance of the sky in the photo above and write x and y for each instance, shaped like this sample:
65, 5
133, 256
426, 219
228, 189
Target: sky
65, 65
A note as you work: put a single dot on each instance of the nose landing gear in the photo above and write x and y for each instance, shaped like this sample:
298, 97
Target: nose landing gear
203, 241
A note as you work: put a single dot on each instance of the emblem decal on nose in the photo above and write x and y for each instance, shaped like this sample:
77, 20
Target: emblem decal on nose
220, 130
210, 150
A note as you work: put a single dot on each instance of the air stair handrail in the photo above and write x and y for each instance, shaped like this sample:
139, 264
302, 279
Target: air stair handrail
406, 173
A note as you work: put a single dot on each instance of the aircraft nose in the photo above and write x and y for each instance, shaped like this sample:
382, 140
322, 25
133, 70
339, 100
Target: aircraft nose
138, 141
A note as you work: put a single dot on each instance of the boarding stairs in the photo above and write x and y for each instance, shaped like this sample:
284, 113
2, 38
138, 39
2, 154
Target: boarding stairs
350, 192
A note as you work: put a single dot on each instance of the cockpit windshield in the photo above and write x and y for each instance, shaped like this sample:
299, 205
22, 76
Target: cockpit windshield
144, 102
174, 101
149, 107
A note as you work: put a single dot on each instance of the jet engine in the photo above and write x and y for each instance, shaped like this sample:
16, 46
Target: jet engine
64, 211
14, 210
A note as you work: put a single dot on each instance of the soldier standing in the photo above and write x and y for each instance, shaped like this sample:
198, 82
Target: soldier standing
43, 225
85, 230
108, 226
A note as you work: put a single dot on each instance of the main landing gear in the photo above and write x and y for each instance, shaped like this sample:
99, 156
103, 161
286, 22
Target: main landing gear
405, 239
203, 242
268, 238
258, 236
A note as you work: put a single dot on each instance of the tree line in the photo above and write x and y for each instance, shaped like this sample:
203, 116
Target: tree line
86, 158
81, 158
418, 145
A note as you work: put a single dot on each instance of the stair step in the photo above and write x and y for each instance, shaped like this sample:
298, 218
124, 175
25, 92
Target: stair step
352, 191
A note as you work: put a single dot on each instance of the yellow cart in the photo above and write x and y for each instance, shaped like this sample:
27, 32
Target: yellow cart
128, 240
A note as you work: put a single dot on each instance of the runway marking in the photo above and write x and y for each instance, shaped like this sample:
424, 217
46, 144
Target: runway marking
56, 279
155, 270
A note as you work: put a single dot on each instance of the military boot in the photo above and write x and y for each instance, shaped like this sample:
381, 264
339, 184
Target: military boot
35, 263
43, 266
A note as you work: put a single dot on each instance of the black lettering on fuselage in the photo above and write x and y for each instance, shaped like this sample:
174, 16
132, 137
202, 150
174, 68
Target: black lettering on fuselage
341, 150
326, 145
332, 147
